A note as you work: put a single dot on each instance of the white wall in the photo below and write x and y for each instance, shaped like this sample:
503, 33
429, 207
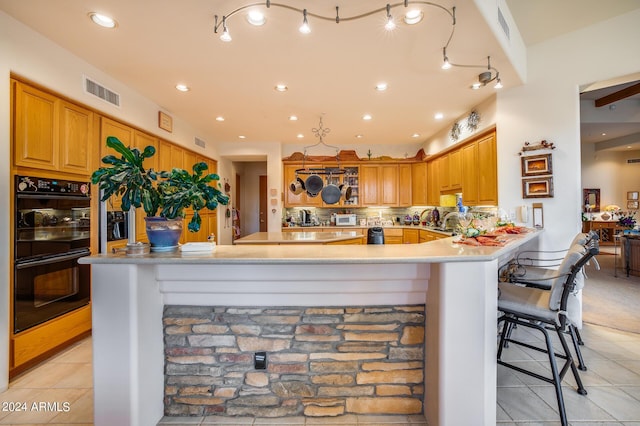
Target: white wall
547, 107
610, 172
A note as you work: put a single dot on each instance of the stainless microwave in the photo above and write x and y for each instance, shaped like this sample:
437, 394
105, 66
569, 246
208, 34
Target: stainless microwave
345, 220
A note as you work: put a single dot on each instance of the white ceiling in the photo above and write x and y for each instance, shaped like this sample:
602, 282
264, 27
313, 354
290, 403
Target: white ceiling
330, 72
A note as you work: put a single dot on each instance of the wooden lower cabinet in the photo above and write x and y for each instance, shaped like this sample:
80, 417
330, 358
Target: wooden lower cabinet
393, 235
32, 344
411, 236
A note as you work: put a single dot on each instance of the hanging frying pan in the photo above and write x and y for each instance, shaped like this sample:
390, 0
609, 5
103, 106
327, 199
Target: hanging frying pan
331, 194
314, 185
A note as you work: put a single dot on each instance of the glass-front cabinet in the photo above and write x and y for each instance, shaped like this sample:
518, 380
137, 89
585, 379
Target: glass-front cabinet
347, 179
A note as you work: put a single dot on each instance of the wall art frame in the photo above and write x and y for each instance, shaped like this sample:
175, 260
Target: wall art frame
632, 195
165, 122
632, 204
540, 187
591, 197
535, 165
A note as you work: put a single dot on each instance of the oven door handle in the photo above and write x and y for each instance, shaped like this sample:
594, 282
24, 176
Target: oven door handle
50, 260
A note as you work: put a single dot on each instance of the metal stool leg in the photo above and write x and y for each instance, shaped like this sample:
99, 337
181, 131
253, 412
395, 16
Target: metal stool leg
575, 338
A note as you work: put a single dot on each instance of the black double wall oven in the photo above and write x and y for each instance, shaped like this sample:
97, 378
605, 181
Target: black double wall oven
52, 231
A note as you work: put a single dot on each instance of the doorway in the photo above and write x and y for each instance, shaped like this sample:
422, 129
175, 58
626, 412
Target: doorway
263, 204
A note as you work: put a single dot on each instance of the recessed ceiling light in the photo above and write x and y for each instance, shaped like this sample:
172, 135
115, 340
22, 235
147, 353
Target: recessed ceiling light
438, 116
415, 135
219, 118
367, 117
182, 87
381, 87
604, 134
413, 16
359, 136
103, 20
281, 87
256, 18
300, 136
293, 118
476, 86
242, 137
628, 146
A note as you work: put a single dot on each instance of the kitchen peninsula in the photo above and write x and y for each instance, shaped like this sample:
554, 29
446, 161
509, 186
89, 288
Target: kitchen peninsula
456, 284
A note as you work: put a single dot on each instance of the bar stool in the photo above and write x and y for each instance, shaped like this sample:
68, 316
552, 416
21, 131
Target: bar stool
541, 310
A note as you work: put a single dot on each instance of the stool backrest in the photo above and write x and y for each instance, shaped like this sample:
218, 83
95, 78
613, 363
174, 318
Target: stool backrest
570, 280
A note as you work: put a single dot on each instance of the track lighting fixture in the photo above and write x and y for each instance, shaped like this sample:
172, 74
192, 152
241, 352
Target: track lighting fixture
484, 77
304, 28
412, 16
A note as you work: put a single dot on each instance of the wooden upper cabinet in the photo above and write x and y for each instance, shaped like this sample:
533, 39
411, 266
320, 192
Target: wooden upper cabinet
51, 133
36, 128
405, 185
488, 170
455, 169
143, 140
470, 174
188, 160
433, 183
379, 185
76, 139
113, 128
419, 184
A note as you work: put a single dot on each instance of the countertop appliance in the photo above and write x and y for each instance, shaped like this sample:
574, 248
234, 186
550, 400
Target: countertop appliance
305, 218
52, 231
346, 219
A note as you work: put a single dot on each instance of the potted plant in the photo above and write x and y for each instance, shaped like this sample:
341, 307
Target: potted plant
163, 195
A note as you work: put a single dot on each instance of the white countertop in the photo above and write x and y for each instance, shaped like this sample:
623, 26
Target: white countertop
443, 250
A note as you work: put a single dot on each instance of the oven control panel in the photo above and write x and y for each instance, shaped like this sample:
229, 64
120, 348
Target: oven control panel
51, 186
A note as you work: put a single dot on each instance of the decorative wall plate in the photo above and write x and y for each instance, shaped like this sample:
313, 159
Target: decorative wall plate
473, 120
455, 131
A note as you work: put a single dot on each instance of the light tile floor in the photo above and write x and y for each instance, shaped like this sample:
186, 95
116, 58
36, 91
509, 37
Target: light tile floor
612, 382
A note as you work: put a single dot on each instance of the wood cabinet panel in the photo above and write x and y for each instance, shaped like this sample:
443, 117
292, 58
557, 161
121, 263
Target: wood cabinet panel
36, 128
433, 183
442, 165
455, 169
419, 184
379, 185
488, 171
411, 236
76, 139
470, 174
389, 185
405, 185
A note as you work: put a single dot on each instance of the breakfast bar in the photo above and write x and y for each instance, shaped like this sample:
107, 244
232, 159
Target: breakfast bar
456, 283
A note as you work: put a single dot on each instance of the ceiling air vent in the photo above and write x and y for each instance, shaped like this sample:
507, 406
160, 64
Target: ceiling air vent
200, 143
503, 24
96, 89
633, 160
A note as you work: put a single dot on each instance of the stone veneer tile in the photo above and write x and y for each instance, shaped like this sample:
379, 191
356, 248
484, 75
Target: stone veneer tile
324, 364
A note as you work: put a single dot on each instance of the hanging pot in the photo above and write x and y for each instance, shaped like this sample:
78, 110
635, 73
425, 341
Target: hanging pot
297, 186
345, 191
314, 184
331, 194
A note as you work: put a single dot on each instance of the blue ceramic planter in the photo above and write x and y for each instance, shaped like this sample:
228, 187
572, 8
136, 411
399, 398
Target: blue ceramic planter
164, 234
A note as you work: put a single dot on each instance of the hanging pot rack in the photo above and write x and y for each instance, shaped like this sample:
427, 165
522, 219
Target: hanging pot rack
320, 132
